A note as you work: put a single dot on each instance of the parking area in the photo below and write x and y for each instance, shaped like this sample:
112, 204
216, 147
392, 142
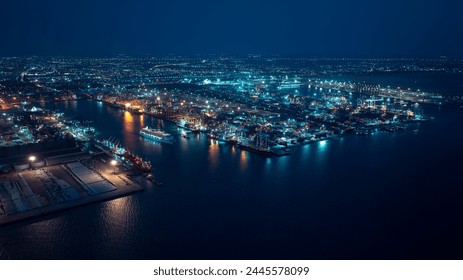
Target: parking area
32, 192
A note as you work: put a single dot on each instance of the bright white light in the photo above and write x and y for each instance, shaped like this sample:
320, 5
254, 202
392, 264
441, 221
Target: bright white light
113, 162
32, 158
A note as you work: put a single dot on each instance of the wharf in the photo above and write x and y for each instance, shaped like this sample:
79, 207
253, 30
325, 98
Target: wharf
50, 189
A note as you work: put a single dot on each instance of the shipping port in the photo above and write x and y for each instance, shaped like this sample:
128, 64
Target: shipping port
50, 182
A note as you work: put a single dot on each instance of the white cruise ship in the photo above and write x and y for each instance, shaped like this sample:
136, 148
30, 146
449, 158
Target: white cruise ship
157, 135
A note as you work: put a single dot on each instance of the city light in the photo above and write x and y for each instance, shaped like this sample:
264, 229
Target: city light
113, 163
219, 130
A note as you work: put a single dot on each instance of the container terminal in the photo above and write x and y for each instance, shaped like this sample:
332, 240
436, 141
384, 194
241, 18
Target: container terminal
56, 180
265, 105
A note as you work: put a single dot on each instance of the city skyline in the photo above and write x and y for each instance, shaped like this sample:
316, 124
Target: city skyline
221, 130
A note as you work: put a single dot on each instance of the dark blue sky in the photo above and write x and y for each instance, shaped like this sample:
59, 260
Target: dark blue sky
286, 27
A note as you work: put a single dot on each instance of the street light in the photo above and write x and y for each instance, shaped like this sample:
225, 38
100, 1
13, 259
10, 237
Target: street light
113, 163
32, 159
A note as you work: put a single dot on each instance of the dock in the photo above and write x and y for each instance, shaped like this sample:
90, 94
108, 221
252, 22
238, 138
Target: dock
64, 185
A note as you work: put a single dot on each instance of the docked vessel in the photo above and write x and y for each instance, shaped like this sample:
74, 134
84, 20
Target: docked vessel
157, 135
114, 148
185, 134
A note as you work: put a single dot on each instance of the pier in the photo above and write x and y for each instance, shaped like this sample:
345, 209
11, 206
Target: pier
64, 185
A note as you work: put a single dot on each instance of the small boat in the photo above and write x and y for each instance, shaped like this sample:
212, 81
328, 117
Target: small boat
185, 134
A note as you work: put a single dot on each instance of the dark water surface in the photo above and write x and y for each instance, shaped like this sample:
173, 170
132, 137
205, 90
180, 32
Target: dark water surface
382, 196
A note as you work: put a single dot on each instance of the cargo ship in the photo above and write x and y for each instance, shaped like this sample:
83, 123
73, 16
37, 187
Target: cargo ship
157, 135
113, 147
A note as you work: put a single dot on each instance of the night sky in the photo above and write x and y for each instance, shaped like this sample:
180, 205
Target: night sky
365, 28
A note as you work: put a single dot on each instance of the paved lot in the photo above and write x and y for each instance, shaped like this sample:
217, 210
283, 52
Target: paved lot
30, 193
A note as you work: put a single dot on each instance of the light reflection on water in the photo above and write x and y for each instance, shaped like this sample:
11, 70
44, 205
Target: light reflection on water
183, 142
268, 165
213, 154
322, 145
117, 218
320, 155
243, 160
233, 150
304, 152
147, 145
313, 196
128, 121
142, 120
100, 106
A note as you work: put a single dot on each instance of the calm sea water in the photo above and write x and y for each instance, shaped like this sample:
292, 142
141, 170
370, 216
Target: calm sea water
382, 196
